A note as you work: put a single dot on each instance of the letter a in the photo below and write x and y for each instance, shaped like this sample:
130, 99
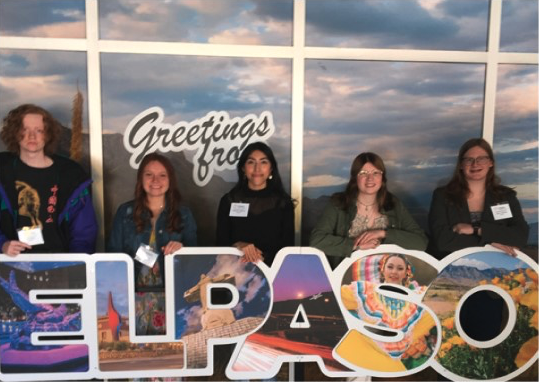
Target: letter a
305, 322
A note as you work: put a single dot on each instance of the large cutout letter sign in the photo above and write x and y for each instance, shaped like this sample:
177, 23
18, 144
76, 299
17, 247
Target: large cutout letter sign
386, 312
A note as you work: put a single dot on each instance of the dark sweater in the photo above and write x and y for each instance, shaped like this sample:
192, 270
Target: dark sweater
77, 225
269, 224
443, 215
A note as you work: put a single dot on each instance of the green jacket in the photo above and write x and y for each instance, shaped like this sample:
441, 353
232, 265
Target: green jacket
330, 234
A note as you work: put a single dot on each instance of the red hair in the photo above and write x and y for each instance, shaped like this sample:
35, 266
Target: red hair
12, 128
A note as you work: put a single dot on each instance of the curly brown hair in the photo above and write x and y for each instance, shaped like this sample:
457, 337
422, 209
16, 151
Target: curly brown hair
11, 133
141, 213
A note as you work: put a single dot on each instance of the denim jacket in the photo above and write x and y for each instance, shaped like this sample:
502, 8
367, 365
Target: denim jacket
125, 238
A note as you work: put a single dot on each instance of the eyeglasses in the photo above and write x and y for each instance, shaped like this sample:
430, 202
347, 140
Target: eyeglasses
468, 161
374, 173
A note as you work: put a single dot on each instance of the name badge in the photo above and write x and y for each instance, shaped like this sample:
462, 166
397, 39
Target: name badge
501, 211
31, 235
146, 255
239, 209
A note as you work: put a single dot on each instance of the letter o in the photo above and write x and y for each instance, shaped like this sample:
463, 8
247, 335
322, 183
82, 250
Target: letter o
466, 273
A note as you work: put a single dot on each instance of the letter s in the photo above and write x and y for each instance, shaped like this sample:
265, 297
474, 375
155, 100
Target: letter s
394, 334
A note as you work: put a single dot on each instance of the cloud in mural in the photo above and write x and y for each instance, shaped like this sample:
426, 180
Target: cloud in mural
253, 287
191, 318
247, 282
324, 180
466, 262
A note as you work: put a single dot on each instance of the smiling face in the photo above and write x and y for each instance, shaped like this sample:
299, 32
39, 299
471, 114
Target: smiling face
369, 179
257, 170
394, 270
33, 134
155, 180
476, 164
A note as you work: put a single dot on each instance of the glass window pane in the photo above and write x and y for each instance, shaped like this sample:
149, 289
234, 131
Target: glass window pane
519, 26
444, 24
414, 115
187, 89
249, 22
43, 18
51, 80
515, 136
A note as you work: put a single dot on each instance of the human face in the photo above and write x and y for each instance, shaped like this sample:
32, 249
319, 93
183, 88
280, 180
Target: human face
475, 171
394, 270
369, 179
33, 135
257, 170
155, 180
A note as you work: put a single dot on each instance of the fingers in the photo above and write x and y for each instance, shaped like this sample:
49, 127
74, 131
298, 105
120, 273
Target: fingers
371, 236
463, 229
251, 253
251, 258
368, 240
171, 247
506, 248
14, 247
363, 239
371, 244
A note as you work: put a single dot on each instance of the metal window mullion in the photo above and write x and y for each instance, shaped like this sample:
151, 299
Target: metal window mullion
43, 43
491, 72
222, 50
298, 99
95, 115
194, 49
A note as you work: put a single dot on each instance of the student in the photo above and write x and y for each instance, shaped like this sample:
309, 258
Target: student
474, 209
257, 215
154, 223
365, 215
46, 206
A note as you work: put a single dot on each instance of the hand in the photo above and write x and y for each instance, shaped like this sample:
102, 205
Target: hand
250, 252
506, 248
14, 247
463, 229
370, 239
171, 247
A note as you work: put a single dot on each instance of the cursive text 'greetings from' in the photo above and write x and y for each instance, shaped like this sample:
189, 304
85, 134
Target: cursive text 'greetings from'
217, 138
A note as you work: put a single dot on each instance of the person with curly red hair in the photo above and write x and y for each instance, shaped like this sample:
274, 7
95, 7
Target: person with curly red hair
45, 198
